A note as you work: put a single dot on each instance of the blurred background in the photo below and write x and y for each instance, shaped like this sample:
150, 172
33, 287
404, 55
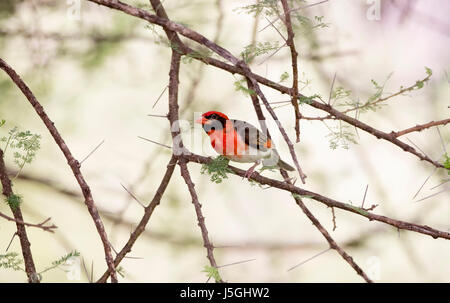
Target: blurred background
99, 72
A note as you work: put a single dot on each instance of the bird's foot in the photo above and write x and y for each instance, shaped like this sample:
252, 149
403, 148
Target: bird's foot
250, 171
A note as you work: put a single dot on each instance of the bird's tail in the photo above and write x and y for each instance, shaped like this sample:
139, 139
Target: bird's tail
284, 165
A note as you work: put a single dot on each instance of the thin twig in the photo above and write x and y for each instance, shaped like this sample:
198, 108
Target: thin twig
309, 259
423, 229
93, 151
420, 127
157, 143
41, 225
294, 92
293, 10
133, 196
159, 97
236, 263
364, 198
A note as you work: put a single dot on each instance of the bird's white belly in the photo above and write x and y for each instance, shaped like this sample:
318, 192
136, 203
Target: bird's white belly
237, 152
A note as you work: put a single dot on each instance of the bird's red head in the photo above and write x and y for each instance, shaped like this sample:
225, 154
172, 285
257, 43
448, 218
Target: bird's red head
208, 117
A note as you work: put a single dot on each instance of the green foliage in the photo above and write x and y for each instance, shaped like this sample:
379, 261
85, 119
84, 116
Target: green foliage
358, 210
241, 86
212, 272
268, 7
340, 93
14, 201
2, 122
284, 76
252, 51
378, 89
196, 54
309, 24
217, 169
61, 261
307, 100
374, 101
447, 163
11, 260
25, 145
341, 136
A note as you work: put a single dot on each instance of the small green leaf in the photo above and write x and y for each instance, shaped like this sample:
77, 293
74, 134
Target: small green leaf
284, 76
14, 201
447, 163
11, 260
212, 272
239, 86
217, 169
307, 100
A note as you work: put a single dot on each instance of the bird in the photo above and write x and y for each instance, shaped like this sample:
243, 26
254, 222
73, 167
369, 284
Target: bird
240, 141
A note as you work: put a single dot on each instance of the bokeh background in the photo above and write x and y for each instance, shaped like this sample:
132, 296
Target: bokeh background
99, 72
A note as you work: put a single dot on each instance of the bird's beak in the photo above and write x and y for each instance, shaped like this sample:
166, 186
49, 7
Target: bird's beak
202, 120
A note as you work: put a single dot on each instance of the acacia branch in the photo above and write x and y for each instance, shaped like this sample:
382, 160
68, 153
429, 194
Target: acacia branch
240, 69
41, 225
72, 162
30, 268
174, 27
331, 241
419, 127
423, 229
294, 55
200, 218
148, 211
324, 232
178, 146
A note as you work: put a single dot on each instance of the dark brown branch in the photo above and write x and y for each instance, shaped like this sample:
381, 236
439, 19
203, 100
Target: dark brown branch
331, 241
423, 229
201, 219
171, 27
30, 268
237, 68
377, 133
178, 146
420, 127
294, 55
324, 232
72, 162
147, 214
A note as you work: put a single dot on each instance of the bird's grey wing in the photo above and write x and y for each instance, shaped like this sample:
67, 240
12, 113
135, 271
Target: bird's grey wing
251, 135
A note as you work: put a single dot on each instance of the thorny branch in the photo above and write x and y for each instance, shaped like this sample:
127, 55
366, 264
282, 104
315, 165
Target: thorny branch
253, 80
72, 162
294, 55
30, 268
423, 229
148, 211
236, 68
41, 225
178, 146
420, 127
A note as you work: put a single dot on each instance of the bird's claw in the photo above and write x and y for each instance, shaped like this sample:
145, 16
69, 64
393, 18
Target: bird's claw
249, 172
